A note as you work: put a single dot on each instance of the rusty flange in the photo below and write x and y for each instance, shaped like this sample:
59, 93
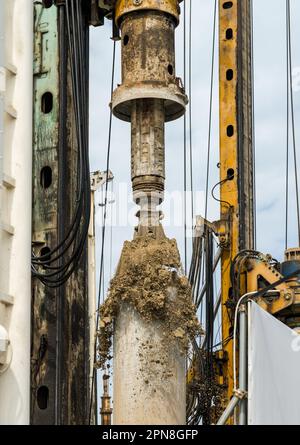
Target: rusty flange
173, 95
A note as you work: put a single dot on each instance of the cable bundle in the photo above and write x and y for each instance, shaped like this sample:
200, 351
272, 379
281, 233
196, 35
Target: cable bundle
59, 263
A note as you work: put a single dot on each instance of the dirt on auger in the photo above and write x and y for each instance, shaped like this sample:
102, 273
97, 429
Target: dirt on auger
149, 277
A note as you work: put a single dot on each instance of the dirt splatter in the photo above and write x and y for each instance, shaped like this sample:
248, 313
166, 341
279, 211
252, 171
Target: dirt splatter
149, 277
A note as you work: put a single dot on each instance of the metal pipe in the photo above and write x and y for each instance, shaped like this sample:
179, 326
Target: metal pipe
148, 158
106, 410
241, 393
216, 309
149, 378
149, 96
229, 410
215, 265
217, 305
243, 363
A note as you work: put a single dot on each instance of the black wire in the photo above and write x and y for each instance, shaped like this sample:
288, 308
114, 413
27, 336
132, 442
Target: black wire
223, 343
287, 131
214, 188
293, 114
193, 266
199, 406
185, 141
190, 108
287, 173
103, 229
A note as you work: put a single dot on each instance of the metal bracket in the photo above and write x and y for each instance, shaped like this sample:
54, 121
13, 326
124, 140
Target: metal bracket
284, 295
99, 178
220, 229
240, 394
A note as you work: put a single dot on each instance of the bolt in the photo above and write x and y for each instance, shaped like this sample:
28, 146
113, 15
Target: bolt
288, 297
137, 2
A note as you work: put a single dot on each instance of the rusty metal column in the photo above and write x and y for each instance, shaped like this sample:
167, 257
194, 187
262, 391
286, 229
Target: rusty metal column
149, 367
236, 157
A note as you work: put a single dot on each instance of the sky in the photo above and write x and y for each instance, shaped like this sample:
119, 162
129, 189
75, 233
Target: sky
270, 127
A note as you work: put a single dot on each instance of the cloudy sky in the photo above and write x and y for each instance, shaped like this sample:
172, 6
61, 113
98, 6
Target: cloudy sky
270, 124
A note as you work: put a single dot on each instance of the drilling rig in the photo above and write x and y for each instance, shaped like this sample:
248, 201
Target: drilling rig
166, 369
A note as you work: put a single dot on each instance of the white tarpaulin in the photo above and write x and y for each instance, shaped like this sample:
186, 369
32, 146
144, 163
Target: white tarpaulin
274, 371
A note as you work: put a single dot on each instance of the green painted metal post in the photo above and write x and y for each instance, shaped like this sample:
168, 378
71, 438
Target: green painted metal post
60, 326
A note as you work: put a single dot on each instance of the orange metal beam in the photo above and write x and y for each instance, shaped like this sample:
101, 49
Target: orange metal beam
235, 150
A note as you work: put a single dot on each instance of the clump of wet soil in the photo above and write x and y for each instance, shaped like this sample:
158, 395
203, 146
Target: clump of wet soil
149, 278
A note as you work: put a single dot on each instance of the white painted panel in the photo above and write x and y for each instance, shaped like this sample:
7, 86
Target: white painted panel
274, 371
15, 252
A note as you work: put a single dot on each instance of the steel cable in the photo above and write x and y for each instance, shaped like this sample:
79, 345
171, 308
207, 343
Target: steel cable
103, 230
292, 109
210, 107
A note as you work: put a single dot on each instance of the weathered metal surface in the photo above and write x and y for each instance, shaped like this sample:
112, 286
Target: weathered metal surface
148, 144
148, 158
244, 116
149, 96
148, 65
148, 48
170, 7
106, 410
60, 324
74, 333
149, 371
235, 151
45, 142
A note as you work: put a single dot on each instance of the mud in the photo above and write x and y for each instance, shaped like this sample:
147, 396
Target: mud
149, 277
